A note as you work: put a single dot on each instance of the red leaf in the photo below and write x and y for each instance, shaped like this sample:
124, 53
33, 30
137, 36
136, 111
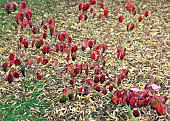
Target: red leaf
74, 48
93, 55
80, 6
101, 5
102, 78
92, 2
10, 77
132, 101
120, 52
30, 23
91, 10
65, 91
5, 66
69, 40
96, 79
85, 6
120, 19
146, 13
39, 60
55, 63
129, 5
11, 56
119, 79
9, 6
104, 91
39, 75
25, 44
160, 109
155, 104
17, 61
72, 73
114, 100
140, 19
44, 61
73, 55
80, 90
111, 87
136, 112
134, 12
62, 36
23, 4
97, 87
96, 71
12, 62
85, 16
46, 49
86, 68
83, 45
80, 17
71, 82
35, 29
89, 43
143, 94
132, 27
44, 35
125, 72
30, 62
16, 74
140, 103
28, 14
45, 27
106, 12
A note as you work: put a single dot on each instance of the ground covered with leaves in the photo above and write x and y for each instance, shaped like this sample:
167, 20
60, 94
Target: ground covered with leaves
147, 57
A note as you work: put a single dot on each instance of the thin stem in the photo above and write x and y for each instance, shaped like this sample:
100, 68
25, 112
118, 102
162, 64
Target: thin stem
91, 26
130, 111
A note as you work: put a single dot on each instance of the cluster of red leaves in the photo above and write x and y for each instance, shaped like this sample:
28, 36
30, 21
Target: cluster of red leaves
85, 7
97, 55
137, 99
132, 97
130, 7
121, 52
101, 81
10, 69
10, 7
24, 15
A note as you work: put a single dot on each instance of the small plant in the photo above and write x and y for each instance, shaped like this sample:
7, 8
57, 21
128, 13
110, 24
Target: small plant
82, 76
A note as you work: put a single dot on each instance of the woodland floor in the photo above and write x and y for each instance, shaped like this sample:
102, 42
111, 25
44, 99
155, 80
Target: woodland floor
148, 56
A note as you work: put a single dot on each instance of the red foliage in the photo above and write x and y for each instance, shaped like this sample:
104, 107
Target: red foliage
120, 52
10, 7
121, 19
92, 2
132, 27
89, 43
104, 91
85, 6
23, 4
140, 19
16, 74
102, 78
39, 75
10, 77
17, 61
35, 29
106, 12
5, 66
11, 56
136, 112
101, 5
146, 13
